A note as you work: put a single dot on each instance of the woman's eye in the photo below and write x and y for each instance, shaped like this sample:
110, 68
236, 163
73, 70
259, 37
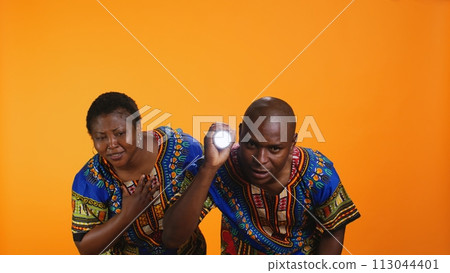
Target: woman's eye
100, 138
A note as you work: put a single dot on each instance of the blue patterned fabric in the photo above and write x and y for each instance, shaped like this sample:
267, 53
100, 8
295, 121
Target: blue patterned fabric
255, 222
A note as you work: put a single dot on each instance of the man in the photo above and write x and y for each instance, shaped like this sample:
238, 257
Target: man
275, 198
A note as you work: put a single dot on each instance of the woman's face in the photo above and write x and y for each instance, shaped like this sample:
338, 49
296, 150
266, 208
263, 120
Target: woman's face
109, 135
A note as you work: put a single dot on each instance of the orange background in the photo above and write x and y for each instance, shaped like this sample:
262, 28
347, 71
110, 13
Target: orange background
376, 82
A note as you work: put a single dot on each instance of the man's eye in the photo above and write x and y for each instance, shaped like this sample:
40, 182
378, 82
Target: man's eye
100, 138
251, 144
120, 134
275, 149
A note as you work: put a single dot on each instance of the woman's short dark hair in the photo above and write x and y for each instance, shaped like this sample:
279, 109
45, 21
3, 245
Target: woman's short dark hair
109, 102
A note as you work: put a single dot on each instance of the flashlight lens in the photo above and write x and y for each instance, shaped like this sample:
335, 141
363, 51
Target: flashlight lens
222, 139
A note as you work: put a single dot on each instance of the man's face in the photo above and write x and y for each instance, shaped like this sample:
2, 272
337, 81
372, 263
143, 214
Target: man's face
259, 159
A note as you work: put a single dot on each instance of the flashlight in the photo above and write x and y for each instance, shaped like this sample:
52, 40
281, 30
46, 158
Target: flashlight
222, 139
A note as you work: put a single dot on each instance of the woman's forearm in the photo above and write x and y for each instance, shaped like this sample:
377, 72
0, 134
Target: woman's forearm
104, 235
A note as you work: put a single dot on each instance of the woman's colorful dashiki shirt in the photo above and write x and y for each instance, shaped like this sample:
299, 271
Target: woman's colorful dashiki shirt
97, 196
255, 222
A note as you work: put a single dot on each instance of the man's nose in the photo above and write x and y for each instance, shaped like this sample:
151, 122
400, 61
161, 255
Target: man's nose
262, 156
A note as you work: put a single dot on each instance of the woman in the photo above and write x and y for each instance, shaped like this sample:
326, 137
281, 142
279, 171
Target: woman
119, 197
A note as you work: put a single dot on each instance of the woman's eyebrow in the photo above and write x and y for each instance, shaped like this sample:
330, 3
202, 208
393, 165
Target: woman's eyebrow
101, 132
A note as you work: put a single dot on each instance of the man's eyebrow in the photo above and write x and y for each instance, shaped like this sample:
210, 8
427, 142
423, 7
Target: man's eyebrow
276, 146
253, 140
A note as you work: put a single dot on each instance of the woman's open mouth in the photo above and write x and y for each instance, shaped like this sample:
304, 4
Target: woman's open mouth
116, 156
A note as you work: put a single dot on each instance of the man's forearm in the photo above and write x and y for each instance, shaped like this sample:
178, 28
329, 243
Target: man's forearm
331, 245
182, 218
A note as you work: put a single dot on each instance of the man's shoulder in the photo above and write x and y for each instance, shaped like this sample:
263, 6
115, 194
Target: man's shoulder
316, 168
167, 135
315, 155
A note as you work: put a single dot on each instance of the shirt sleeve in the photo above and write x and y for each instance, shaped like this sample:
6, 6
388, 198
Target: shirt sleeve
194, 160
208, 205
333, 206
89, 205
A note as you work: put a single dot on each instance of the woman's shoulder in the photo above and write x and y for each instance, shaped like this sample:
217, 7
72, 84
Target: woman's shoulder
91, 177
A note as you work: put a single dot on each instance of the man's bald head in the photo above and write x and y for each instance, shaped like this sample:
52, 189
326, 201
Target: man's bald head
269, 106
274, 110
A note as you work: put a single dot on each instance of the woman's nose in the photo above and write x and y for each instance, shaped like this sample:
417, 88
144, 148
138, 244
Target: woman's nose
112, 142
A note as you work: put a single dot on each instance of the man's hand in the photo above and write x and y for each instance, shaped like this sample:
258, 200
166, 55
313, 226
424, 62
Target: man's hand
214, 157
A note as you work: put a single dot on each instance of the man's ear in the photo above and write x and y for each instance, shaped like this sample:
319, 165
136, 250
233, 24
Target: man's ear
240, 130
294, 141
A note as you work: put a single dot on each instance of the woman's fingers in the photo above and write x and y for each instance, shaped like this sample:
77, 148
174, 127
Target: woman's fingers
125, 192
152, 191
141, 184
148, 185
143, 192
146, 189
